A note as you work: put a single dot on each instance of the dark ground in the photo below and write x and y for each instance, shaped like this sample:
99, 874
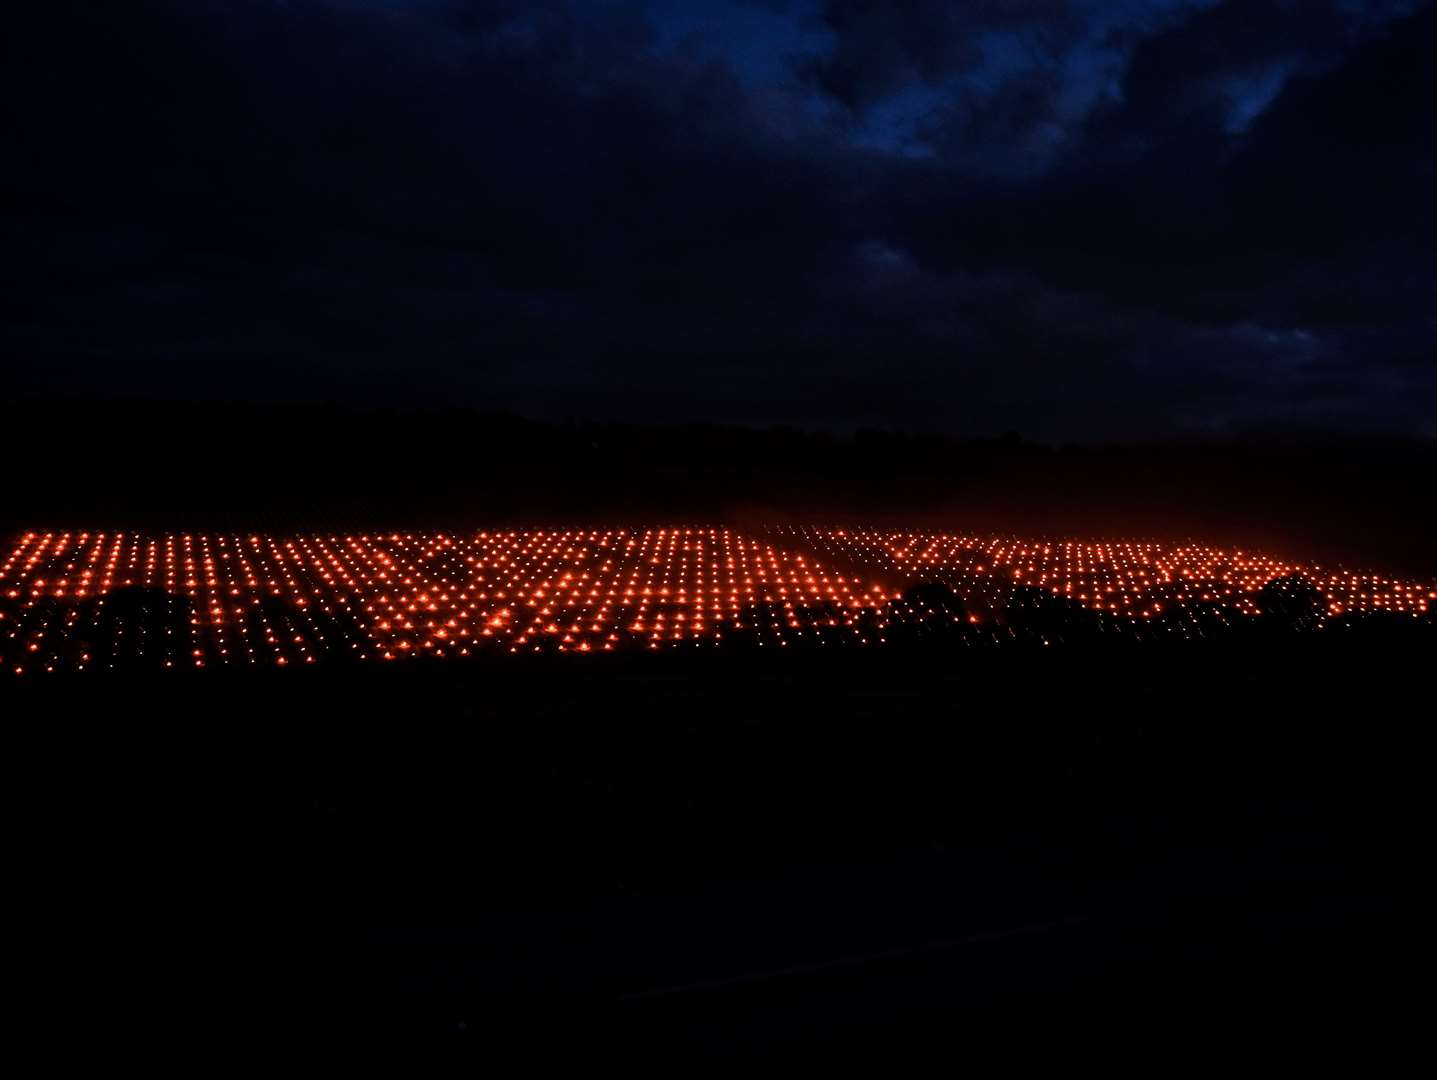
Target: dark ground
591, 855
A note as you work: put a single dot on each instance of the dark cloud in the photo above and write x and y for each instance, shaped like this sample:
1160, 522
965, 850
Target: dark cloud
1067, 218
881, 46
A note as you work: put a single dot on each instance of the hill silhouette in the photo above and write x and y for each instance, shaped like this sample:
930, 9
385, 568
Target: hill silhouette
128, 464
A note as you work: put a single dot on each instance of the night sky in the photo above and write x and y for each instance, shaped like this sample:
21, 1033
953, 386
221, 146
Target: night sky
1086, 220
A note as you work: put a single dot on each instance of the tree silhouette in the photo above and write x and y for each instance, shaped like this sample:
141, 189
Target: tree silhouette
1290, 602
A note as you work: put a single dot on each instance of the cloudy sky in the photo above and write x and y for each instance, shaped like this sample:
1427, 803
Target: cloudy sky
1085, 219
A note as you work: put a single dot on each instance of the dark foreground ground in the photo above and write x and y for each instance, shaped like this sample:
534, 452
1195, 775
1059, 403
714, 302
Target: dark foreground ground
729, 855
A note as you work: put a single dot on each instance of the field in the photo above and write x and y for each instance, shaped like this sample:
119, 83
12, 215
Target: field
703, 738
78, 601
704, 787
